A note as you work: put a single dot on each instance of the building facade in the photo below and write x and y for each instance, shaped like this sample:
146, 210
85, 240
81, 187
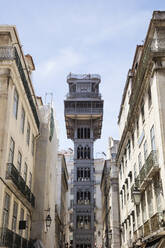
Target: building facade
83, 117
98, 169
110, 198
19, 128
61, 207
141, 153
45, 177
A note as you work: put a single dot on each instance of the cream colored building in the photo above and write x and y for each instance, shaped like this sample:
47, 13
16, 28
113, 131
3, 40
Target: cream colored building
98, 169
141, 153
45, 177
19, 128
61, 208
110, 198
69, 155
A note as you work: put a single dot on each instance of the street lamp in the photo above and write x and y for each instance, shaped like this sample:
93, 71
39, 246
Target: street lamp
136, 194
48, 221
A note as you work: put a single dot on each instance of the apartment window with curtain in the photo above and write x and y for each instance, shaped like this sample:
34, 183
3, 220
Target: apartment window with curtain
11, 150
152, 137
28, 134
22, 120
14, 219
140, 160
158, 192
145, 150
25, 172
5, 218
15, 105
21, 218
19, 162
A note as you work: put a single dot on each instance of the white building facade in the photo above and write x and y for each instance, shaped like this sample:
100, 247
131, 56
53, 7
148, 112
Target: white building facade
141, 153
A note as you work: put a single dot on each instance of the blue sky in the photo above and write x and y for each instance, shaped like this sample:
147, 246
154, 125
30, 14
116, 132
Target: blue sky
81, 36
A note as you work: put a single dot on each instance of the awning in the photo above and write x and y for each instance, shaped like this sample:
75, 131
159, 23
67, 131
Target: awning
158, 243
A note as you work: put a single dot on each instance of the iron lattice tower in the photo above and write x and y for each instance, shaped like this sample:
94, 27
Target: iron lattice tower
83, 118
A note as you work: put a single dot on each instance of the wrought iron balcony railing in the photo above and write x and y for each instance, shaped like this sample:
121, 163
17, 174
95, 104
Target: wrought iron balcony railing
10, 53
154, 224
147, 171
72, 95
13, 174
10, 239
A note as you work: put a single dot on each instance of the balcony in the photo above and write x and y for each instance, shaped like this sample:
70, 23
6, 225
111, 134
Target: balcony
72, 95
10, 239
13, 174
10, 53
149, 169
154, 224
158, 45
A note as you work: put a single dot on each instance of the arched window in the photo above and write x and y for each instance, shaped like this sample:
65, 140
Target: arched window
88, 153
81, 153
78, 152
81, 133
85, 152
88, 133
78, 133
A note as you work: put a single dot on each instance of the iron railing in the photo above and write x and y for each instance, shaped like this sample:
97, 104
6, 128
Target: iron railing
10, 53
12, 240
83, 95
73, 76
83, 110
13, 174
150, 164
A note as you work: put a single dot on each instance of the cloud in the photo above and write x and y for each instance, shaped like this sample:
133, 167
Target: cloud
66, 60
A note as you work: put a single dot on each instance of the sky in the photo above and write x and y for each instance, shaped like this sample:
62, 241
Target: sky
81, 36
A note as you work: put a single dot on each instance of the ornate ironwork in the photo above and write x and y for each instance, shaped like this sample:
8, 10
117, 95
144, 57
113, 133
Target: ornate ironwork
13, 174
6, 53
9, 238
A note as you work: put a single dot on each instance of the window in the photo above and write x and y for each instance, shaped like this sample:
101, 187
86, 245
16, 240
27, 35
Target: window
33, 142
142, 112
144, 212
11, 151
138, 215
137, 128
135, 173
149, 97
152, 136
25, 172
19, 162
15, 105
145, 150
28, 134
133, 141
21, 218
140, 160
14, 219
30, 180
27, 226
6, 209
150, 200
22, 120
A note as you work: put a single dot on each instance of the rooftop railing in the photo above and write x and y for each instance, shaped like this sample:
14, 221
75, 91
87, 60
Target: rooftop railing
83, 76
13, 174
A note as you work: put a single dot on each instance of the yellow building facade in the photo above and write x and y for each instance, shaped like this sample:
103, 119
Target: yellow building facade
19, 128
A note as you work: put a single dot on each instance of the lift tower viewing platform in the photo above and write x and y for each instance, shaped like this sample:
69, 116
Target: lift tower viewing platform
83, 118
